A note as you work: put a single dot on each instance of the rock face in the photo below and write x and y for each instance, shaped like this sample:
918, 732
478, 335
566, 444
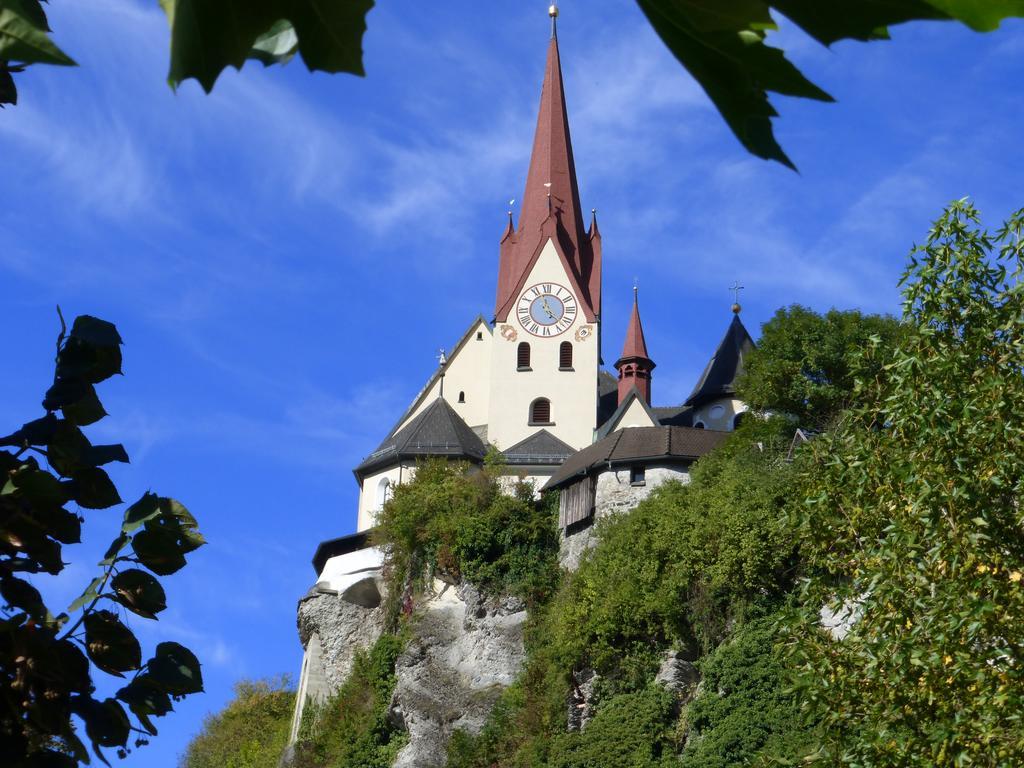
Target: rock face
678, 675
464, 651
614, 495
340, 627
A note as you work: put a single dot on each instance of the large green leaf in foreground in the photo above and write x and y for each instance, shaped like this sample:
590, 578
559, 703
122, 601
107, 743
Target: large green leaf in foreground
209, 35
722, 44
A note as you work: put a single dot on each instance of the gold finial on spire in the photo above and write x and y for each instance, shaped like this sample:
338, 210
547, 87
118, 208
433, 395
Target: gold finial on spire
553, 13
736, 288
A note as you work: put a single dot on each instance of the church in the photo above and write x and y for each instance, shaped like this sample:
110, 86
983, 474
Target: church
528, 382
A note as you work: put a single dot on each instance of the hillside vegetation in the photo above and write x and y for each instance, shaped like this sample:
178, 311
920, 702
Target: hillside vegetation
901, 520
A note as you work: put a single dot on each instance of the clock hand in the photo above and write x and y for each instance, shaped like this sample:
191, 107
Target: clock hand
547, 308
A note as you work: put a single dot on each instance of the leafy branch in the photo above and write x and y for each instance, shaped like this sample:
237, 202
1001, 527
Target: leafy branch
721, 43
45, 660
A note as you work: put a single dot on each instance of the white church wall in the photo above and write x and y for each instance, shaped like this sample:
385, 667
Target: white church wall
467, 374
371, 497
719, 414
573, 394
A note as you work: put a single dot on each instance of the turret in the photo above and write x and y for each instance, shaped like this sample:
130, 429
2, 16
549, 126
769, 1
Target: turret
635, 365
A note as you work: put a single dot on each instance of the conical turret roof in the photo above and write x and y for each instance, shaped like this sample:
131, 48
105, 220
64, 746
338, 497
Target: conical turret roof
719, 377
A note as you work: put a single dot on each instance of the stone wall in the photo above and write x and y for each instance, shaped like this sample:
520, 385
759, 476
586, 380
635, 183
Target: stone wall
614, 495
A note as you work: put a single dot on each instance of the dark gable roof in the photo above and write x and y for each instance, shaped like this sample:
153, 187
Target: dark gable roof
682, 444
539, 448
721, 371
437, 431
674, 416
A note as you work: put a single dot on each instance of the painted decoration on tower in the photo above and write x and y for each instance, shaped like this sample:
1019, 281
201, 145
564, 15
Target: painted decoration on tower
584, 332
546, 309
509, 333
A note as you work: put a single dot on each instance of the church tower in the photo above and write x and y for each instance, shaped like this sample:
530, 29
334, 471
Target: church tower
545, 356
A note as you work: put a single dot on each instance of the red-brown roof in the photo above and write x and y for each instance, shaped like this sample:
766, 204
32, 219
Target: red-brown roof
551, 163
636, 345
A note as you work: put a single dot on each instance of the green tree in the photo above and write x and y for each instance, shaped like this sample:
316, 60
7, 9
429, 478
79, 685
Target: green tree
807, 364
913, 531
721, 43
250, 732
46, 661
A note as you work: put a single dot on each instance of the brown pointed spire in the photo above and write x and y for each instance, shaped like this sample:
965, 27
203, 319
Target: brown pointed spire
551, 194
635, 365
552, 163
636, 345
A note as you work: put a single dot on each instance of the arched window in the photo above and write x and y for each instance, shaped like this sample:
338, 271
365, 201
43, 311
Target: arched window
565, 356
738, 419
540, 411
462, 397
523, 356
699, 425
383, 488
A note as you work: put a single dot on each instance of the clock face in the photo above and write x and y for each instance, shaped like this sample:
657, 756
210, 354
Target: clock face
546, 309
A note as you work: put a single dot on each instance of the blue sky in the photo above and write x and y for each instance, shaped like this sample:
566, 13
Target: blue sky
285, 256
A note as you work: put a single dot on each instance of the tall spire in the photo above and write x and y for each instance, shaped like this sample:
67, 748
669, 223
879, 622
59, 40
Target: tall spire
635, 364
551, 203
552, 163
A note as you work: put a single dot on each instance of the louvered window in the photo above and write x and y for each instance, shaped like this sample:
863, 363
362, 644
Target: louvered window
565, 356
523, 356
540, 411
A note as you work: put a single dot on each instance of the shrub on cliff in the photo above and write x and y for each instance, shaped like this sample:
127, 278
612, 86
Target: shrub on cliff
685, 562
454, 521
351, 729
746, 708
250, 732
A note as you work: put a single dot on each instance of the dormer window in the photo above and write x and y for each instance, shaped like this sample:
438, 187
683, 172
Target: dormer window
540, 412
523, 357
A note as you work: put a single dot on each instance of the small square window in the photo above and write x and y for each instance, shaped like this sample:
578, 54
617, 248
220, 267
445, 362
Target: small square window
637, 476
479, 335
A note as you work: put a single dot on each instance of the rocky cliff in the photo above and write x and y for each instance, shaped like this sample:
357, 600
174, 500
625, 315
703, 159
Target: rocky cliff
463, 650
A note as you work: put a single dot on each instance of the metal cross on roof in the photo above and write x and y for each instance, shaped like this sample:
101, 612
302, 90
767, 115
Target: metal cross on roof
736, 288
